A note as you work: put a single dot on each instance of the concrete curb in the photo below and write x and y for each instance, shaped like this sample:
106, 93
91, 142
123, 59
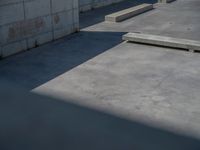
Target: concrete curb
128, 13
165, 1
190, 45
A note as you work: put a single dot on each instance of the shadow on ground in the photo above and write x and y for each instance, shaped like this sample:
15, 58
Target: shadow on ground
33, 122
98, 15
37, 66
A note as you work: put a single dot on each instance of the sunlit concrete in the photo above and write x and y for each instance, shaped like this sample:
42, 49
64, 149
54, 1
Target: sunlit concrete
163, 41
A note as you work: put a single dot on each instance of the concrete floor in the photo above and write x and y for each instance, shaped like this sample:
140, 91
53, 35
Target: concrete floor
153, 85
30, 121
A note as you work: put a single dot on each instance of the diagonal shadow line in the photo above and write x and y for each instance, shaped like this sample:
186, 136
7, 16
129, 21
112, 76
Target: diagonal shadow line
39, 65
30, 121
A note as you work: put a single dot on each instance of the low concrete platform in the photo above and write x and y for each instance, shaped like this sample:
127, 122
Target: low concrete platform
190, 45
165, 1
128, 13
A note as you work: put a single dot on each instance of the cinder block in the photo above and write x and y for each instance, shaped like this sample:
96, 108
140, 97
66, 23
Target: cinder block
6, 2
39, 40
59, 33
37, 8
24, 29
163, 41
61, 5
128, 13
28, 23
62, 19
11, 13
13, 48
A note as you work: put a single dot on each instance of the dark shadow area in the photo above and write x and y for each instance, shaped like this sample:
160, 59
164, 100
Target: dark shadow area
33, 122
98, 15
37, 66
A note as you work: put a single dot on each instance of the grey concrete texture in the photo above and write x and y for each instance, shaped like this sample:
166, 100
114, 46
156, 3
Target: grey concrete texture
158, 87
30, 121
179, 19
128, 13
27, 24
153, 85
190, 45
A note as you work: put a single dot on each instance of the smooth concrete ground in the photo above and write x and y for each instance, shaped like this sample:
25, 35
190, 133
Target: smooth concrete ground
153, 85
30, 121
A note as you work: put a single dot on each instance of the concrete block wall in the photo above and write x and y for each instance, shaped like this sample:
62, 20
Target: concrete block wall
25, 24
85, 5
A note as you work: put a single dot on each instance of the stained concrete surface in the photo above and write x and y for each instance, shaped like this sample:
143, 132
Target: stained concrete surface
156, 86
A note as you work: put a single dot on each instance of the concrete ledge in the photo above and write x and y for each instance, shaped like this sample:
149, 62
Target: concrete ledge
163, 41
128, 13
165, 1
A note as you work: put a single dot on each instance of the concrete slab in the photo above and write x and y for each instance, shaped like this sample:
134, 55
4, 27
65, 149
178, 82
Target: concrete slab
153, 85
156, 86
128, 13
190, 45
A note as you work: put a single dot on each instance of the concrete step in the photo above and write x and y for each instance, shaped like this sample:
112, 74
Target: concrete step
128, 13
190, 45
165, 1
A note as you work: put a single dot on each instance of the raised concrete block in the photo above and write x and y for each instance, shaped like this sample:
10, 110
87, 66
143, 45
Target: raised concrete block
128, 13
165, 1
163, 41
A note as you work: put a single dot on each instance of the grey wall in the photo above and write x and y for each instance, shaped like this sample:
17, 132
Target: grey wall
90, 4
26, 24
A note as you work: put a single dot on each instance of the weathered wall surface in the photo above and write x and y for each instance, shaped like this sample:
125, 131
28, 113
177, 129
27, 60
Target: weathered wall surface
90, 4
26, 24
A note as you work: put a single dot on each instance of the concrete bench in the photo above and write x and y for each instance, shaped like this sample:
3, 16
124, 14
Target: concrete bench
128, 13
165, 1
191, 45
